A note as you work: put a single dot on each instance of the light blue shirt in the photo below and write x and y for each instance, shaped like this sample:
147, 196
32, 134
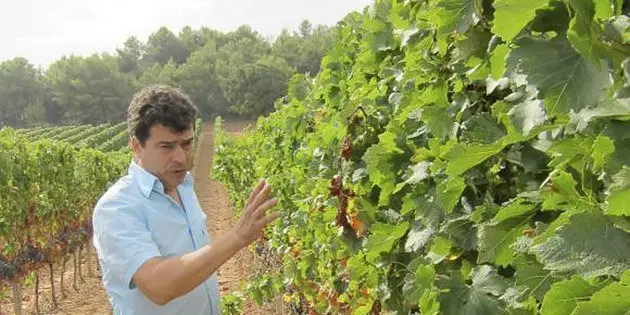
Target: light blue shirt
135, 221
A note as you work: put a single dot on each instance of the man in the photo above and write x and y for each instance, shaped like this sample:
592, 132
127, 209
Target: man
149, 230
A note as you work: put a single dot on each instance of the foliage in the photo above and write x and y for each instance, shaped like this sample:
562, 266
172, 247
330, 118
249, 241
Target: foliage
232, 303
238, 73
21, 93
452, 157
303, 50
89, 90
253, 88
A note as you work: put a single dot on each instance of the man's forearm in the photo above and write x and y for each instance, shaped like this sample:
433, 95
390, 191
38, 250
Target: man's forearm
173, 277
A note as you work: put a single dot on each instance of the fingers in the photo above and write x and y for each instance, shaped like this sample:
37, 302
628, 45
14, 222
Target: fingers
255, 192
254, 220
261, 197
260, 211
270, 218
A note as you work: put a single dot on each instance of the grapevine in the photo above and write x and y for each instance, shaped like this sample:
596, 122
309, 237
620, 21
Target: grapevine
45, 205
486, 171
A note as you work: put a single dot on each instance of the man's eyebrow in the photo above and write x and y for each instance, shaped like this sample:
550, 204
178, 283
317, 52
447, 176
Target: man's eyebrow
167, 142
175, 141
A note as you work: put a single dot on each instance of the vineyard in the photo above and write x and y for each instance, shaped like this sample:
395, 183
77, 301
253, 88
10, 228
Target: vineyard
51, 178
451, 157
105, 137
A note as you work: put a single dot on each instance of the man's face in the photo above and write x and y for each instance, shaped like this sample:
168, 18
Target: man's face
166, 154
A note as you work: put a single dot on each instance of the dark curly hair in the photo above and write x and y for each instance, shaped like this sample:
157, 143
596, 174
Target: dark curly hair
160, 104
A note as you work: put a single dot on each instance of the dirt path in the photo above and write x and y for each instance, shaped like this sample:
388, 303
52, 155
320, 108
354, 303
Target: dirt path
90, 298
214, 201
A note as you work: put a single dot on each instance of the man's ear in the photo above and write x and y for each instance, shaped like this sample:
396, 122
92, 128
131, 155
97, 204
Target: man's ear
136, 146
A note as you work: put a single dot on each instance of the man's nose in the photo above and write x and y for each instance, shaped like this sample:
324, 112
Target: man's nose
179, 155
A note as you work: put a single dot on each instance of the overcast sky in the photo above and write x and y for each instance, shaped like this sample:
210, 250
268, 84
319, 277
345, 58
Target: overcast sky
44, 30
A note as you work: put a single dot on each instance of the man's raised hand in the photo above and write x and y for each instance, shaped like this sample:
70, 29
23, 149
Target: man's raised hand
254, 218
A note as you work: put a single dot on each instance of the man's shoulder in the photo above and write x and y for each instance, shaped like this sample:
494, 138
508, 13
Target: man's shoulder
123, 193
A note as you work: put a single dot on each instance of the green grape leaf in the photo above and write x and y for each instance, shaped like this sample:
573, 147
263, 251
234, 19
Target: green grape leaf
515, 209
583, 34
452, 16
461, 232
563, 296
383, 238
604, 9
618, 194
475, 44
566, 80
418, 237
440, 248
379, 166
496, 239
617, 30
610, 109
429, 303
439, 122
532, 275
419, 172
589, 244
553, 18
449, 191
481, 297
486, 279
482, 128
426, 207
610, 300
527, 115
510, 16
416, 283
497, 61
464, 156
563, 194
602, 148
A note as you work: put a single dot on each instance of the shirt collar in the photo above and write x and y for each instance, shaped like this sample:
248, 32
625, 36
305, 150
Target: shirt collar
148, 181
188, 179
143, 178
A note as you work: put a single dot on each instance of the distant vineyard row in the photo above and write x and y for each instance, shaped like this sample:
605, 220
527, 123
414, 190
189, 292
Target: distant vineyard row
105, 137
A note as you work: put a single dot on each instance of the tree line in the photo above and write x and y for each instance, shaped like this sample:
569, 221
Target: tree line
238, 73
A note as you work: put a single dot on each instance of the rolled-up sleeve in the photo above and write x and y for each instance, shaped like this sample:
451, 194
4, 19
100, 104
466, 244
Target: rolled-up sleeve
122, 239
